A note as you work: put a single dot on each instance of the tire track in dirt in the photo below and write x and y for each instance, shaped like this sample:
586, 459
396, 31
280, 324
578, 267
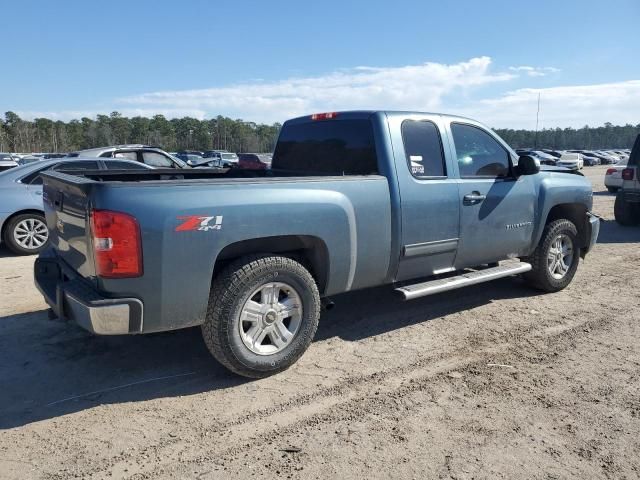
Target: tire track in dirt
350, 395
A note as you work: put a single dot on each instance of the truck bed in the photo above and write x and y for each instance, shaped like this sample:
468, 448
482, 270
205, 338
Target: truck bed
171, 174
348, 217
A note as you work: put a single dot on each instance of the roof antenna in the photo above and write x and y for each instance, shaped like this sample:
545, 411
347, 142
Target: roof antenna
535, 141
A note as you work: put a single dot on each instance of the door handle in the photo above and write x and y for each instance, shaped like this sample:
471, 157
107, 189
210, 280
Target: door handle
38, 192
473, 198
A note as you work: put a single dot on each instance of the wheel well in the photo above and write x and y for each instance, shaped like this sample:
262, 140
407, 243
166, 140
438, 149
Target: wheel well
310, 251
577, 214
12, 216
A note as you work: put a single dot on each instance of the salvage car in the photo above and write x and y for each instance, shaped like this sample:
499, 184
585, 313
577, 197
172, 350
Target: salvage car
7, 161
22, 223
613, 176
423, 202
152, 156
571, 160
254, 161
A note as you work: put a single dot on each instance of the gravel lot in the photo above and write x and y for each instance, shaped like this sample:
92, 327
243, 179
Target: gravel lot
496, 381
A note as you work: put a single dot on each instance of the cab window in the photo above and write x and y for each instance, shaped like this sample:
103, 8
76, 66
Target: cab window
423, 149
479, 155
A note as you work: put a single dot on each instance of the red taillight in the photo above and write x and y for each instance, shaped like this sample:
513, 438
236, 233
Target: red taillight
116, 244
627, 174
324, 116
611, 171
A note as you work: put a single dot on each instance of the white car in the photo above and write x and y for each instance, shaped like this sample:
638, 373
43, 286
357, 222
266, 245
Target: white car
613, 177
572, 161
7, 161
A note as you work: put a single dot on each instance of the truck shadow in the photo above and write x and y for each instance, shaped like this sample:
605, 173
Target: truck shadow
612, 232
49, 369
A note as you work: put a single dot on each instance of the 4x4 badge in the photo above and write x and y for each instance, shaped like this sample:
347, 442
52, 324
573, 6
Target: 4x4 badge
200, 223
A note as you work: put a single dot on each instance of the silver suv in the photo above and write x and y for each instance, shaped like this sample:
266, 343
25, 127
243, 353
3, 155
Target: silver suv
152, 156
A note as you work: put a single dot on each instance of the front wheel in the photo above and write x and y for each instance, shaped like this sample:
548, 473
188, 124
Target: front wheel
555, 259
263, 314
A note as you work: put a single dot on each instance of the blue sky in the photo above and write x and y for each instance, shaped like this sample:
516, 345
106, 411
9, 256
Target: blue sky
267, 61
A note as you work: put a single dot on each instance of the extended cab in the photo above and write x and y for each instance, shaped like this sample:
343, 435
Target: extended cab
423, 202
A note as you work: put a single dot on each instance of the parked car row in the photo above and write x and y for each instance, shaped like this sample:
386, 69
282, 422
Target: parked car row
22, 224
576, 159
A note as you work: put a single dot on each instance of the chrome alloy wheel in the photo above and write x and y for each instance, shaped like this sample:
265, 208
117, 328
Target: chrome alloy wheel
31, 233
560, 256
270, 318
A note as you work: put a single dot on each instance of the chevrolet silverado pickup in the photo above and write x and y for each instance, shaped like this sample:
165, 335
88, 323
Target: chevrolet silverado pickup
422, 202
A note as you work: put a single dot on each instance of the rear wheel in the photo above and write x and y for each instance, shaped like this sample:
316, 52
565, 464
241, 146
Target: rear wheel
263, 314
626, 213
26, 234
555, 259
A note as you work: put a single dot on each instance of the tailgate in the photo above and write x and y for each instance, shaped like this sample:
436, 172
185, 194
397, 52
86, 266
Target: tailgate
67, 206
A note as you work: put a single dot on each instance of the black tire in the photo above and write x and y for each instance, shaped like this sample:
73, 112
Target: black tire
612, 189
540, 277
232, 288
10, 227
626, 214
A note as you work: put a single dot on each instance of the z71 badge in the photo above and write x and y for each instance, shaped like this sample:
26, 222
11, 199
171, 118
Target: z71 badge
199, 223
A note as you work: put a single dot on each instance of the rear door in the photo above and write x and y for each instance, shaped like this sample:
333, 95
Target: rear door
428, 196
497, 208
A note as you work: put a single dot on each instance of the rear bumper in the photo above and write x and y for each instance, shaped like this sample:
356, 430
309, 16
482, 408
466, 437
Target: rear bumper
71, 298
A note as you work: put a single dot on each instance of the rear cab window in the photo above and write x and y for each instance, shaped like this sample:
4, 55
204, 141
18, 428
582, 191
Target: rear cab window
423, 149
327, 147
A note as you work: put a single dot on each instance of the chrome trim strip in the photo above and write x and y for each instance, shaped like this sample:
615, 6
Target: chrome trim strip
430, 248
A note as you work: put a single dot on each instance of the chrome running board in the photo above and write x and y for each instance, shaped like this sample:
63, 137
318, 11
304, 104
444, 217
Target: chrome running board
409, 292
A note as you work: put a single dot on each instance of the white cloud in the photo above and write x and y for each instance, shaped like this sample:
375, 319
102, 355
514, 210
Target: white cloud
449, 88
534, 71
412, 87
566, 106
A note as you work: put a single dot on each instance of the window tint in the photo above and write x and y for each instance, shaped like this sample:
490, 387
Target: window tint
79, 165
331, 147
128, 155
33, 178
117, 165
156, 159
479, 154
423, 149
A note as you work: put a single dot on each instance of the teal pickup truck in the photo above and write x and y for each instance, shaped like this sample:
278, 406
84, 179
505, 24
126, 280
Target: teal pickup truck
422, 202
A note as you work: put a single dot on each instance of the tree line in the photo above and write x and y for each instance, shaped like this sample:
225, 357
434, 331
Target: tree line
223, 133
608, 136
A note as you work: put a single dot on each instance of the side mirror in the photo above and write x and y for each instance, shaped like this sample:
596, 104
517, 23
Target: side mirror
528, 165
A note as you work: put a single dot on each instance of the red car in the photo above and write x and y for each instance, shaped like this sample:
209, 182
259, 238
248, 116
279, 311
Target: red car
254, 161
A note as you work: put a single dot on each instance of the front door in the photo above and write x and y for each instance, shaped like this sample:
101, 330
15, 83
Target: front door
497, 208
429, 197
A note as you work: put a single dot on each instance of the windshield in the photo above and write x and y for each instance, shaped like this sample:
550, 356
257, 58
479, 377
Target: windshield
229, 156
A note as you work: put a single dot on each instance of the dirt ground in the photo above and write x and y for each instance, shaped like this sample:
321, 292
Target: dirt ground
496, 381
